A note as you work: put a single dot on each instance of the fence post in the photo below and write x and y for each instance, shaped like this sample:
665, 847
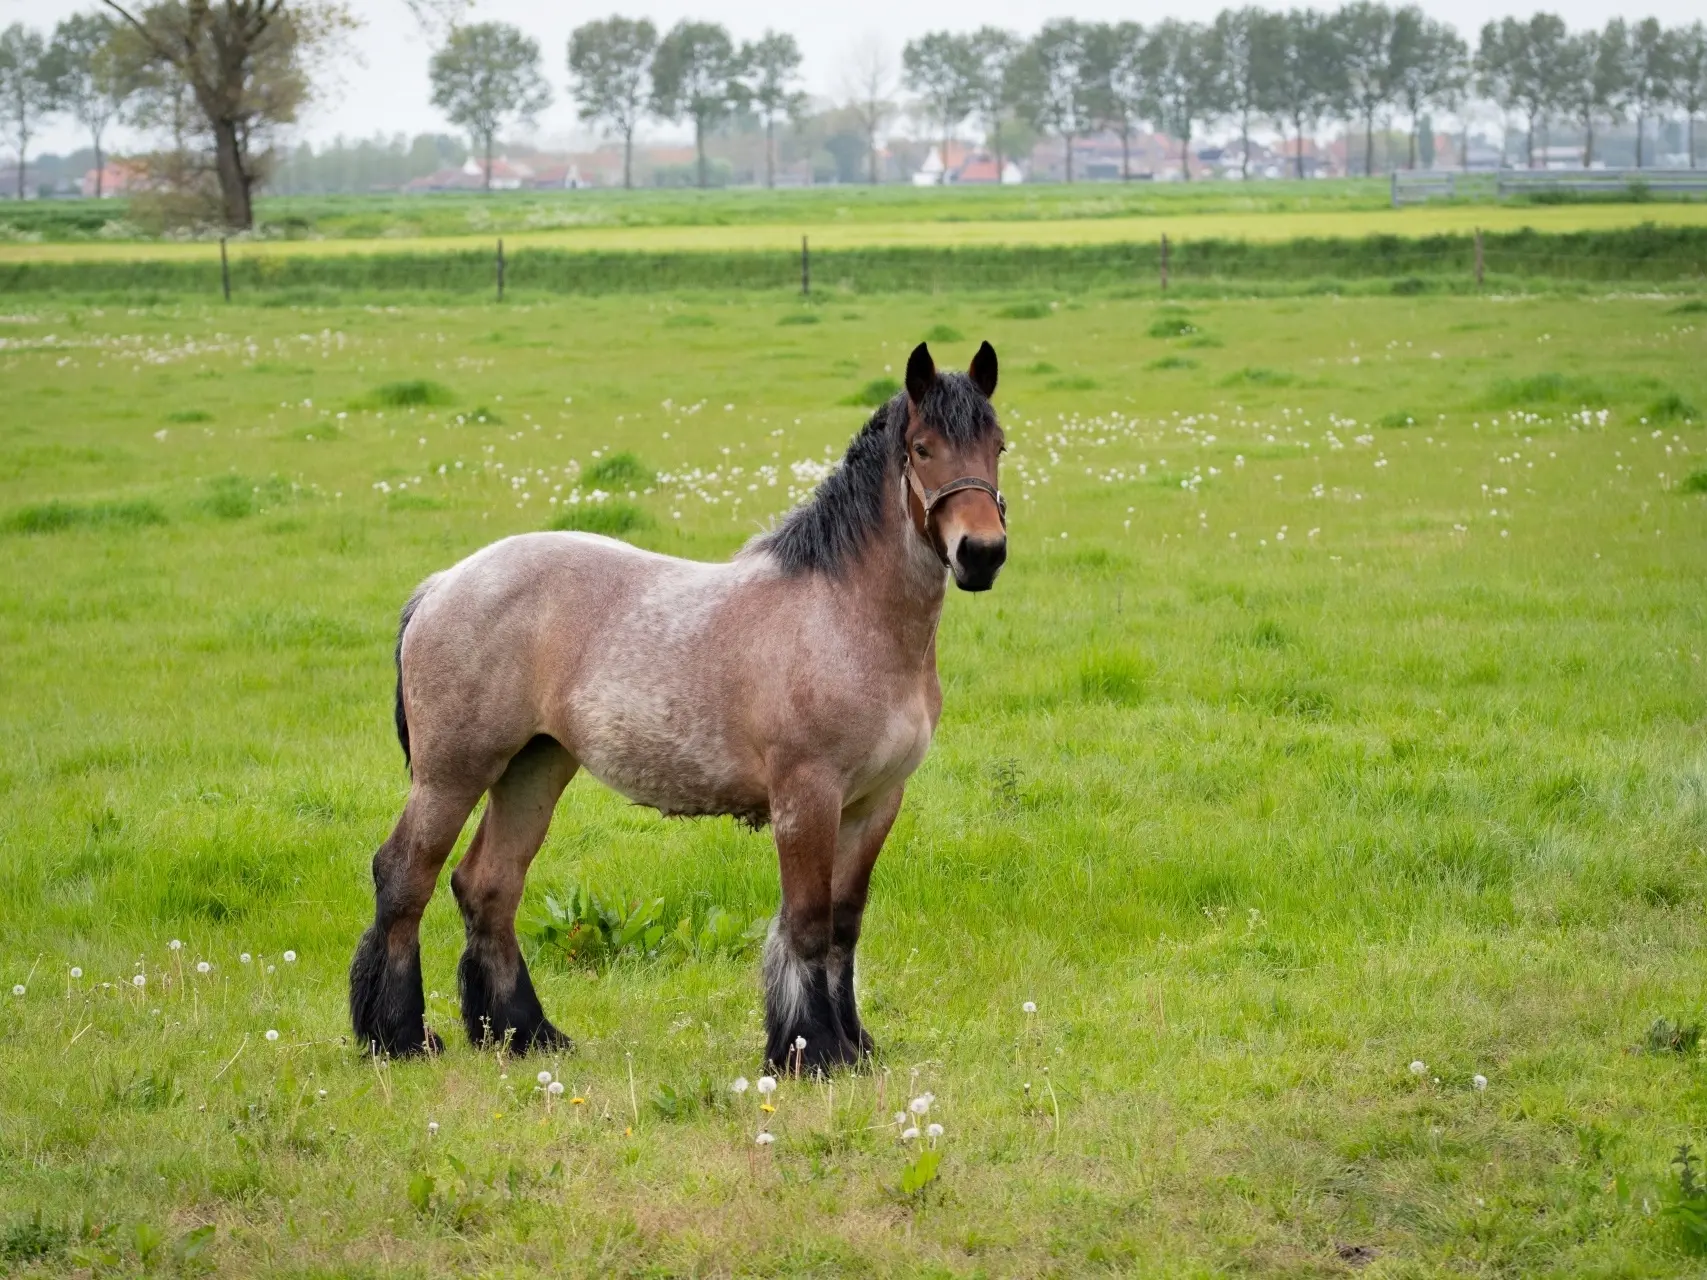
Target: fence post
224, 270
500, 271
1478, 257
1164, 262
805, 270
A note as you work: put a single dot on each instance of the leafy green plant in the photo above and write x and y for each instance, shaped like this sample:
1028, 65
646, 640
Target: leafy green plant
1025, 311
52, 517
1666, 1036
410, 393
585, 928
920, 1172
623, 470
1077, 382
1172, 326
798, 317
1171, 362
1256, 376
943, 333
1399, 418
873, 393
30, 1239
1684, 1203
1694, 482
721, 934
1672, 407
189, 415
611, 518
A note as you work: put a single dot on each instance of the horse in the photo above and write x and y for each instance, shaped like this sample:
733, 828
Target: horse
794, 685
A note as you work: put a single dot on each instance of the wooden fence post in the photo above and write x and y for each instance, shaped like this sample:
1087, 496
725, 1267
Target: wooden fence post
1164, 262
805, 270
224, 270
500, 271
1478, 257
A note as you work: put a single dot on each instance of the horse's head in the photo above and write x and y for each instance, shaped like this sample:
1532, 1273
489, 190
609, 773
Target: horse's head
952, 443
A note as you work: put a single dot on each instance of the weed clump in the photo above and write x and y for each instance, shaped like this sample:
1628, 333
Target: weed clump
1172, 362
1398, 418
623, 470
798, 317
610, 518
1112, 677
873, 393
943, 333
189, 415
411, 393
53, 517
1694, 482
1258, 376
1672, 407
1666, 1036
1172, 327
1025, 311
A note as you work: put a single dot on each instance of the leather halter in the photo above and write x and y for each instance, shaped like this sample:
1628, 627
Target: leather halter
931, 499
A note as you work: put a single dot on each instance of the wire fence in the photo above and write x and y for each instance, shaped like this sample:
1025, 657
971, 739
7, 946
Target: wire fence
1647, 255
1418, 186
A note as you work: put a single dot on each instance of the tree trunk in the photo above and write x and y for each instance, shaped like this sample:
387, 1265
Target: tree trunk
1069, 140
233, 181
770, 151
1691, 139
996, 131
1245, 147
1588, 142
699, 148
1298, 159
871, 149
628, 158
100, 164
1464, 149
1126, 152
942, 178
1529, 142
1369, 144
1641, 120
1185, 153
486, 183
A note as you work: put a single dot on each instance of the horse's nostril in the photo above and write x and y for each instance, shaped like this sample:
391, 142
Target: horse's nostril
981, 558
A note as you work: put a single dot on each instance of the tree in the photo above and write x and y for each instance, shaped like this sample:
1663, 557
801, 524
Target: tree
1521, 65
1430, 60
1298, 71
868, 81
1121, 98
993, 52
1591, 84
943, 69
1233, 54
1691, 43
247, 66
610, 66
485, 73
771, 72
91, 84
1181, 80
1651, 74
27, 88
1053, 80
696, 76
1367, 32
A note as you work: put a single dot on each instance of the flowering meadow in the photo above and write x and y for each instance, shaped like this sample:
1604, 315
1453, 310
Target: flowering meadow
1308, 873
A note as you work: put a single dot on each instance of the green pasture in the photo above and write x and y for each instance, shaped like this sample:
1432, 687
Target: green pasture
1341, 709
903, 217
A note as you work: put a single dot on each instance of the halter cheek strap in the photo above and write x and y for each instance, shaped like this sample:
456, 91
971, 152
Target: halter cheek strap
931, 499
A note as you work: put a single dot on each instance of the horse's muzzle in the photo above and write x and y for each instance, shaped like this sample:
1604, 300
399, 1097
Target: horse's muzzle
977, 561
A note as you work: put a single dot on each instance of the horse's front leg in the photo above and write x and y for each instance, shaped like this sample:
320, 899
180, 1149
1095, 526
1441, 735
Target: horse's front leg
858, 843
799, 1001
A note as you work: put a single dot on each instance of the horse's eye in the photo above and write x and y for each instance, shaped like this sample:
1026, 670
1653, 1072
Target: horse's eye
921, 451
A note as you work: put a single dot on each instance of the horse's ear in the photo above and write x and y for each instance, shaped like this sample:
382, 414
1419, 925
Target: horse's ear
983, 370
921, 373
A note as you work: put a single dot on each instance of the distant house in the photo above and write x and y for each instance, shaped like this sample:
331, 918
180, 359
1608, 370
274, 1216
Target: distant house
964, 165
115, 178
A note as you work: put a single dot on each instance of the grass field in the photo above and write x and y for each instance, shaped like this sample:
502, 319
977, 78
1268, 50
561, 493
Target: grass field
1341, 709
826, 231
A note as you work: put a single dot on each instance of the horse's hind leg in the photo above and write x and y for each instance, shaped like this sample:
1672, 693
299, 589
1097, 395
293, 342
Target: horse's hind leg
498, 1000
386, 1004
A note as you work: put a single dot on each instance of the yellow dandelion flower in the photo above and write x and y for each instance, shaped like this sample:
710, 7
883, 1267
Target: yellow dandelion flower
766, 1107
578, 1102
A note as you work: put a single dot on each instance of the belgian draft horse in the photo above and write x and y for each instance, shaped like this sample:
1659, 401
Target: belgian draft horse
795, 685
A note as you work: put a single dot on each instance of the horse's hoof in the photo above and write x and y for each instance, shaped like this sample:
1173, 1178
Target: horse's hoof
544, 1038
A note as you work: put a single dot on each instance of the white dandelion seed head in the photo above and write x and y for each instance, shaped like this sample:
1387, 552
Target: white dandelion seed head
555, 1088
245, 957
432, 1126
901, 1117
909, 1134
544, 1077
76, 971
175, 945
202, 966
1418, 1068
139, 982
320, 1093
765, 1139
290, 957
1478, 1082
767, 1084
921, 1104
269, 968
740, 1085
1030, 1006
18, 989
799, 1042
933, 1131
271, 1034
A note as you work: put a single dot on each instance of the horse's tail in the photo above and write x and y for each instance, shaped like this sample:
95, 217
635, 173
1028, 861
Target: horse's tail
402, 717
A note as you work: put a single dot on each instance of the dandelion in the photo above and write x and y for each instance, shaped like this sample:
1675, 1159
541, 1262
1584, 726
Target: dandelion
320, 1093
272, 1035
1418, 1069
767, 1085
432, 1126
740, 1085
175, 945
910, 1134
901, 1118
768, 1108
765, 1139
245, 958
290, 957
269, 968
202, 966
921, 1104
1478, 1082
933, 1131
139, 982
76, 971
577, 1101
1030, 1006
555, 1088
18, 989
544, 1078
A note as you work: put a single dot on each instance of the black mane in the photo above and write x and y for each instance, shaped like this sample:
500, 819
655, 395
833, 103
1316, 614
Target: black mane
827, 532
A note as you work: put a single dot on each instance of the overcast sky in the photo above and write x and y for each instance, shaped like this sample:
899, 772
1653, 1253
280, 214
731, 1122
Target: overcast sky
383, 85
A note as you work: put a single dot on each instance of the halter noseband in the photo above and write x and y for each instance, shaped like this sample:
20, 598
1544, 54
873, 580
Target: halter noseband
931, 499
